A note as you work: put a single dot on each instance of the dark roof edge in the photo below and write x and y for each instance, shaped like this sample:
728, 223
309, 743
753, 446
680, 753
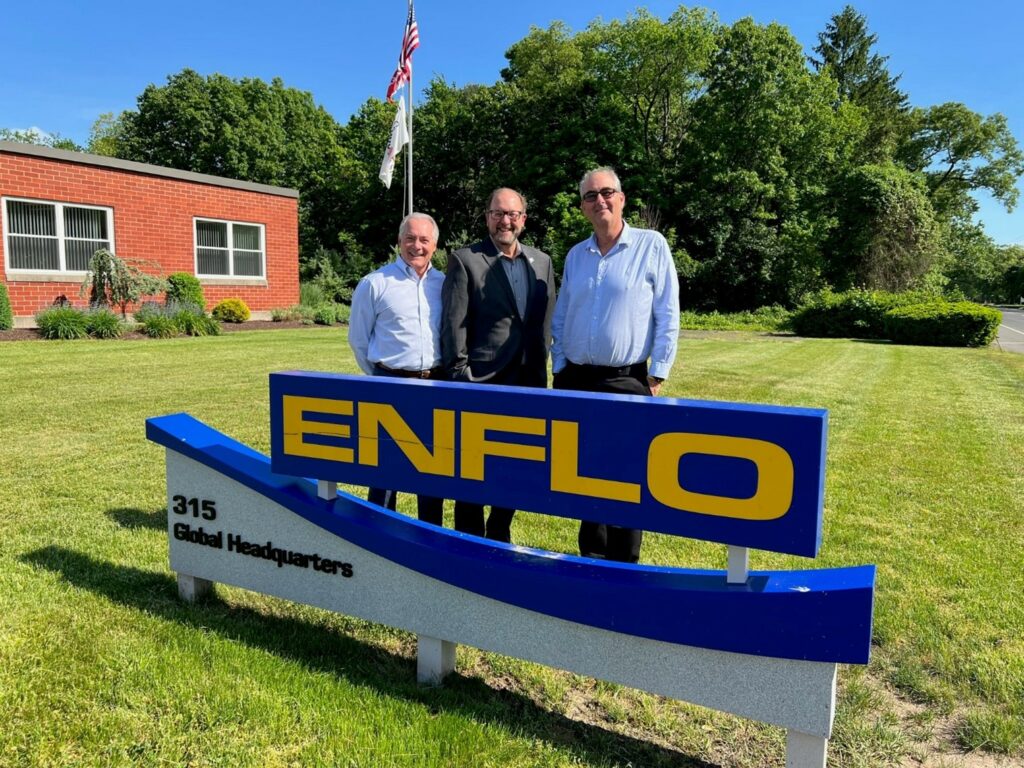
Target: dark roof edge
83, 158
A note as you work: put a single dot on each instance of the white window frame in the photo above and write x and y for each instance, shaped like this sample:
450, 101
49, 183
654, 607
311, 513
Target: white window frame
230, 248
61, 238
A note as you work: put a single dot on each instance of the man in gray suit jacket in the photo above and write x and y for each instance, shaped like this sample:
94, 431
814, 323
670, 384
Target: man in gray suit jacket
497, 301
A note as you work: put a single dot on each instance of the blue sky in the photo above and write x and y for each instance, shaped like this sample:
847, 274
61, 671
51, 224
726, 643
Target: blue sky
67, 62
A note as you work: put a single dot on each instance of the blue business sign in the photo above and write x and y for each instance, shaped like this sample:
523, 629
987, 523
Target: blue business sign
745, 475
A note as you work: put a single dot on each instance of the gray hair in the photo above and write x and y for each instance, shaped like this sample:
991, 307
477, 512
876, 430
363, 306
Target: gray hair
403, 228
604, 169
522, 197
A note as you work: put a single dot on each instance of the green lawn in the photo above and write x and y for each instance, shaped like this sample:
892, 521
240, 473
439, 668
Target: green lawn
101, 664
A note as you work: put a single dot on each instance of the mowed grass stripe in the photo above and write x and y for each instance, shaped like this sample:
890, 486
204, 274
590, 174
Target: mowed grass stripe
101, 664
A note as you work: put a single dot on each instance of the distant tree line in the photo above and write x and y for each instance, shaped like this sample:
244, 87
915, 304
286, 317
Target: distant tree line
771, 173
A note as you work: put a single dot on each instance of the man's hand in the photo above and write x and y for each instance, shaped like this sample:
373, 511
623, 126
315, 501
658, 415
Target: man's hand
654, 384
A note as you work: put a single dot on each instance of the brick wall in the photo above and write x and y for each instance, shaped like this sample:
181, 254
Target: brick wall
153, 221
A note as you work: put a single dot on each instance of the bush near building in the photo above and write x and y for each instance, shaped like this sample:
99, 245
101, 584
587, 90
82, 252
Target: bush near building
231, 311
6, 314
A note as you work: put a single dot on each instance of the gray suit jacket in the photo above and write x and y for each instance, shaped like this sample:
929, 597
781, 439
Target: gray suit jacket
482, 336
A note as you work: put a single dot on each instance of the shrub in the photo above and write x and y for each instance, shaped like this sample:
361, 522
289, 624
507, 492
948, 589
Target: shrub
184, 288
147, 309
773, 318
192, 323
311, 294
101, 323
334, 274
856, 313
62, 323
342, 312
231, 311
158, 326
294, 313
943, 324
324, 314
112, 281
6, 314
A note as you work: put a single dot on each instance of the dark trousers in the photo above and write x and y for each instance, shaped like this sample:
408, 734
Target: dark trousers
611, 542
428, 508
469, 517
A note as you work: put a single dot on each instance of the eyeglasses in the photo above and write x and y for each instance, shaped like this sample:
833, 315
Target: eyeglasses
605, 193
513, 216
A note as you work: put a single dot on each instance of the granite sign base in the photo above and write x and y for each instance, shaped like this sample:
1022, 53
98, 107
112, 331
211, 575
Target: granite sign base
223, 531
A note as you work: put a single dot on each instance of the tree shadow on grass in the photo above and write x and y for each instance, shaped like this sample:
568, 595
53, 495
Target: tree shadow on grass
323, 650
131, 517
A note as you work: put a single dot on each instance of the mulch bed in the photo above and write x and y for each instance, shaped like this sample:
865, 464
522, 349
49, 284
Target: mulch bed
32, 334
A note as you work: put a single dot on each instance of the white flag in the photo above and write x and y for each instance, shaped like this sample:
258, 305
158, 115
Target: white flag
399, 138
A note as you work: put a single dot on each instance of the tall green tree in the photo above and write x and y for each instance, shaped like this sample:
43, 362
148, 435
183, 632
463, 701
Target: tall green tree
244, 129
765, 145
887, 233
961, 152
845, 50
558, 119
104, 135
465, 135
35, 136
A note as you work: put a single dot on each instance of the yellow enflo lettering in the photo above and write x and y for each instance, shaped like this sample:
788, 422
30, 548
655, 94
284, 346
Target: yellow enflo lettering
296, 426
774, 475
374, 417
475, 445
437, 456
565, 469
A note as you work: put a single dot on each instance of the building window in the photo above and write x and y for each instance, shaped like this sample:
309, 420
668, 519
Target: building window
55, 237
228, 249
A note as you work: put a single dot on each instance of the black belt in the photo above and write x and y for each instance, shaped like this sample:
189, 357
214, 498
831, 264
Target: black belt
636, 370
431, 373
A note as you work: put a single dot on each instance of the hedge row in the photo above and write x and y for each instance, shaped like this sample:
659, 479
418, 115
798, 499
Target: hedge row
906, 318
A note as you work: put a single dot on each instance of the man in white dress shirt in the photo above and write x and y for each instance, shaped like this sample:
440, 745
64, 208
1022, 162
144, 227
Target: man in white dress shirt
395, 326
616, 323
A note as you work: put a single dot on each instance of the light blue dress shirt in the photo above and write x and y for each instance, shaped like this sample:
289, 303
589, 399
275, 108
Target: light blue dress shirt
396, 319
618, 309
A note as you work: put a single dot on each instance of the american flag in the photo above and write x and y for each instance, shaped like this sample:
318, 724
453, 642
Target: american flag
410, 42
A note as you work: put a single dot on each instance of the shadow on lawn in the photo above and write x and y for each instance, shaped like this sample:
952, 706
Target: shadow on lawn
132, 518
324, 650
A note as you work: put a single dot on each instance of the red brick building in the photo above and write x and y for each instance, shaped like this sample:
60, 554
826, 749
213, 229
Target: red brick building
239, 238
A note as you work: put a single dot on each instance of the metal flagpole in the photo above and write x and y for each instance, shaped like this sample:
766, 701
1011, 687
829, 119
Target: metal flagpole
409, 156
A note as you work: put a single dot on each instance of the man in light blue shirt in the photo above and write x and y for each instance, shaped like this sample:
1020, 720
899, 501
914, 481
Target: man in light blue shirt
616, 323
395, 326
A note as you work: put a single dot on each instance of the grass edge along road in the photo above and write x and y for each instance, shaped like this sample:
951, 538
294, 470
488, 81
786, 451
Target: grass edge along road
101, 664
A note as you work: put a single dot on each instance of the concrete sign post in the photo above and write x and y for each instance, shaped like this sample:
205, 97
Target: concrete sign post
759, 644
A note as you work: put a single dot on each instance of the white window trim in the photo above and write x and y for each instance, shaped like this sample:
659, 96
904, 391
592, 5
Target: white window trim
230, 249
59, 214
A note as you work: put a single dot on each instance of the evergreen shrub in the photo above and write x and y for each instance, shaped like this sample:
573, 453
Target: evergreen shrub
184, 288
943, 323
231, 311
6, 313
62, 323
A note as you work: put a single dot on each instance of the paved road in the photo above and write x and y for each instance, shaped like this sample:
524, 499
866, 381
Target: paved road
1011, 332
